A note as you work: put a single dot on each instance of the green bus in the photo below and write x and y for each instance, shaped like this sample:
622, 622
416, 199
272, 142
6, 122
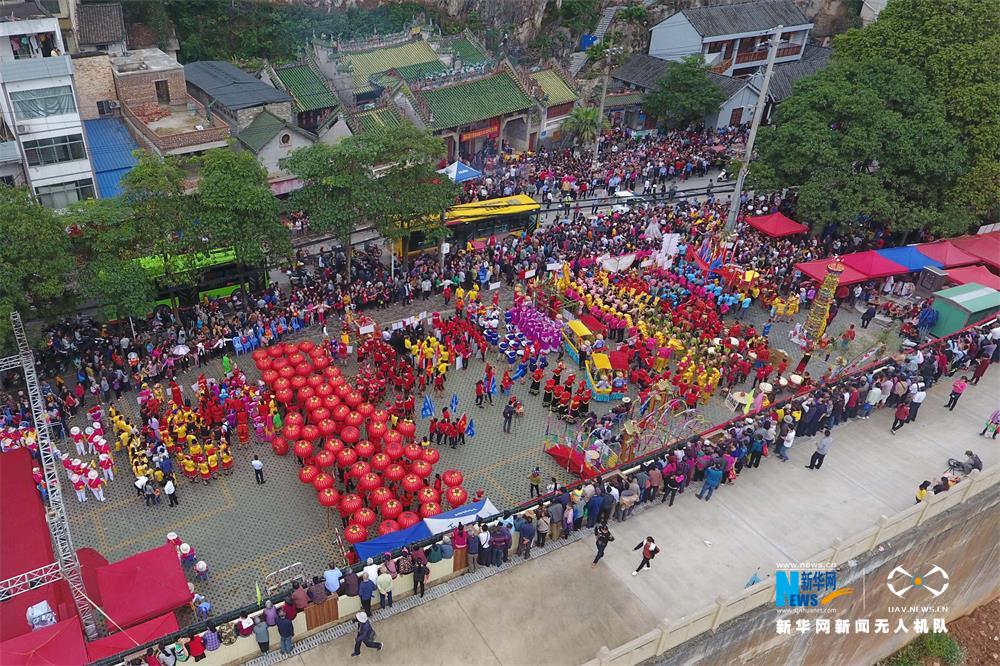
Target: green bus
220, 275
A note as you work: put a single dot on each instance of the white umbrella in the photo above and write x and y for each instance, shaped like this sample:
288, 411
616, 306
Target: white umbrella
180, 350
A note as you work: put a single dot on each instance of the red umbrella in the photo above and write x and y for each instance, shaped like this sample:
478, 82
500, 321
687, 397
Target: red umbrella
365, 448
359, 469
324, 458
393, 449
407, 429
354, 533
379, 495
407, 519
369, 481
428, 494
328, 497
346, 458
452, 477
380, 461
279, 445
308, 473
431, 455
413, 451
350, 503
456, 496
310, 432
333, 445
394, 472
364, 517
421, 468
295, 418
412, 483
303, 449
350, 434
323, 481
429, 509
391, 508
380, 416
388, 527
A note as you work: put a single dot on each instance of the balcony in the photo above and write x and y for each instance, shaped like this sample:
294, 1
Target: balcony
761, 54
790, 50
722, 66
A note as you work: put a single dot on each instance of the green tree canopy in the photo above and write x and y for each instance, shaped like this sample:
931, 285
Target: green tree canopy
685, 94
583, 124
35, 261
956, 45
865, 138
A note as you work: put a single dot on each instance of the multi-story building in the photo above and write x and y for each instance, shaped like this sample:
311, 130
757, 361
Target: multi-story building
40, 114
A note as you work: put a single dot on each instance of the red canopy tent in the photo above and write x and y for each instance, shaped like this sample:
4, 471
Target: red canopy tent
947, 253
873, 265
618, 360
984, 246
816, 269
143, 586
60, 643
978, 274
776, 225
123, 641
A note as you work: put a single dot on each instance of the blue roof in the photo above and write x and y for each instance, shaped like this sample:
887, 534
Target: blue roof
111, 148
909, 256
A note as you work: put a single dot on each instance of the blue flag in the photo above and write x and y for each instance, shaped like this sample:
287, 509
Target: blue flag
493, 385
470, 430
454, 402
427, 410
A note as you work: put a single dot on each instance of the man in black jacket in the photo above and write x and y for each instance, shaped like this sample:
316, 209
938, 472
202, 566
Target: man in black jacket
365, 635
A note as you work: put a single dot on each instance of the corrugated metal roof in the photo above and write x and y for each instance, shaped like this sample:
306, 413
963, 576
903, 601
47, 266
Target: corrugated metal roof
718, 20
111, 148
558, 91
309, 91
30, 69
231, 86
100, 23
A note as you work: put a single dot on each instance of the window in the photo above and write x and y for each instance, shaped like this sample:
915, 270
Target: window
7, 180
716, 47
285, 139
52, 7
54, 150
43, 102
63, 194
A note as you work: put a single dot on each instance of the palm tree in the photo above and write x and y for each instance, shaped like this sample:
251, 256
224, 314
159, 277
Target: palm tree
583, 123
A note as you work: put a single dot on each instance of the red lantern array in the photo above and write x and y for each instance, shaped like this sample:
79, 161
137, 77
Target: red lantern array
388, 527
323, 481
456, 496
452, 477
355, 533
364, 517
391, 508
429, 509
407, 519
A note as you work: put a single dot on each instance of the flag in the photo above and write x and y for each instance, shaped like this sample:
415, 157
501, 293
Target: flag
493, 385
454, 401
260, 596
749, 405
427, 409
470, 431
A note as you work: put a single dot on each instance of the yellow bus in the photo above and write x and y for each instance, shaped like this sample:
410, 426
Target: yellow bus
482, 219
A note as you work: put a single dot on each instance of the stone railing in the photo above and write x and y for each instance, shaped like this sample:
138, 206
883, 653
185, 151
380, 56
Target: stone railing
217, 131
671, 633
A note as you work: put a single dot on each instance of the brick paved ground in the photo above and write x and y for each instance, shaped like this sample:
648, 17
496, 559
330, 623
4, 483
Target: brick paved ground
244, 531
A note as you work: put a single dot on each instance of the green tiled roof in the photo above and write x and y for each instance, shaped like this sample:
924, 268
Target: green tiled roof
307, 88
624, 99
553, 85
377, 120
263, 128
420, 70
467, 52
377, 61
471, 102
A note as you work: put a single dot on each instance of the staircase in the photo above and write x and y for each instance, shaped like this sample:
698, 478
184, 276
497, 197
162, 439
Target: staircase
579, 59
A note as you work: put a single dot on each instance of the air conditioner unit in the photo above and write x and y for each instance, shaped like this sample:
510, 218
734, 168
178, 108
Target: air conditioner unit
22, 129
114, 104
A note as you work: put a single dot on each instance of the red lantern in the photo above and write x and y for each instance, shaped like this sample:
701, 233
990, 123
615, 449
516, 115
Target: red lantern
379, 495
354, 419
332, 372
296, 381
291, 430
412, 483
281, 383
393, 437
354, 398
421, 468
279, 363
407, 429
311, 402
303, 370
340, 412
295, 418
275, 351
365, 448
331, 402
380, 461
429, 509
394, 472
323, 481
456, 496
349, 503
341, 389
306, 346
391, 508
354, 533
333, 445
317, 412
346, 458
303, 449
359, 469
369, 480
452, 477
376, 430
364, 517
310, 433
284, 396
308, 473
380, 416
431, 455
270, 377
304, 394
350, 434
413, 451
328, 497
428, 494
320, 362
326, 426
263, 363
388, 527
286, 372
313, 381
366, 409
296, 358
392, 449
324, 390
407, 519
279, 445
324, 458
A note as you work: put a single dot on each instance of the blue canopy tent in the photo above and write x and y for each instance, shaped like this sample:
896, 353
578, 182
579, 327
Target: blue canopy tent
442, 522
910, 257
459, 172
392, 541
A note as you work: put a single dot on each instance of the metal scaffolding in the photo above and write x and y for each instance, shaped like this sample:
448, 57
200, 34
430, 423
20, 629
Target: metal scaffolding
67, 563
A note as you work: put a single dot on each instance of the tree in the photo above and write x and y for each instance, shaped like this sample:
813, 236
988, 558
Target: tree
35, 261
237, 209
387, 180
582, 124
685, 94
865, 138
954, 43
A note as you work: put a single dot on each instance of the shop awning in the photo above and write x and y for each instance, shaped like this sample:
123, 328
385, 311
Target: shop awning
776, 225
910, 257
873, 265
974, 274
984, 246
948, 254
816, 269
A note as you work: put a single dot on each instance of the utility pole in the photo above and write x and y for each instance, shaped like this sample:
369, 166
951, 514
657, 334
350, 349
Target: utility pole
609, 55
758, 114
